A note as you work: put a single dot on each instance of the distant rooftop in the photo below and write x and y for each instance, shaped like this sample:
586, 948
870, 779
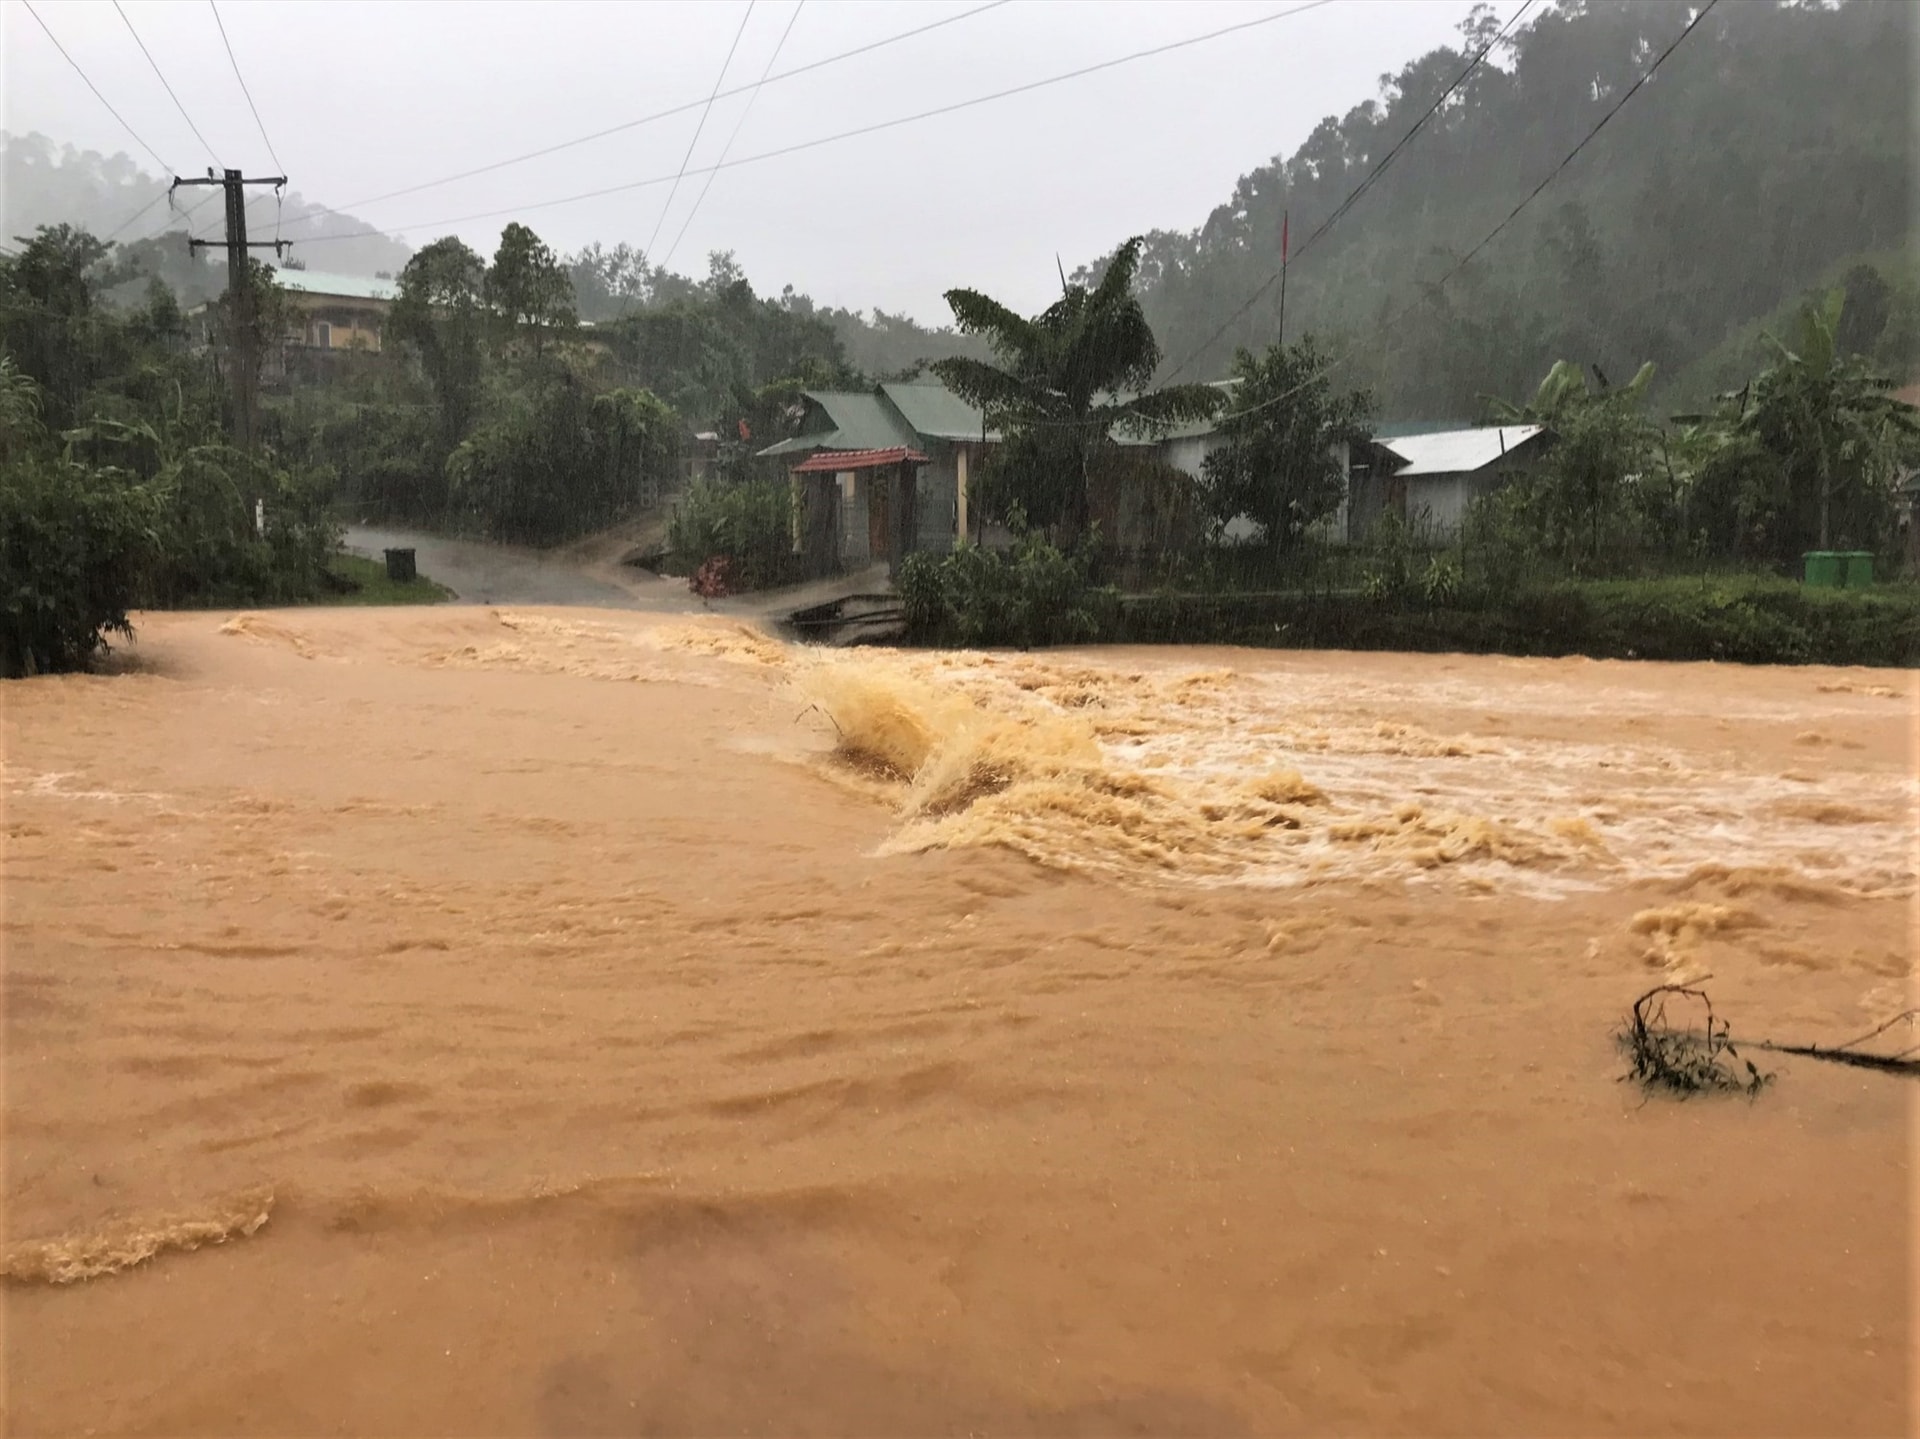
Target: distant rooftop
1451, 452
345, 287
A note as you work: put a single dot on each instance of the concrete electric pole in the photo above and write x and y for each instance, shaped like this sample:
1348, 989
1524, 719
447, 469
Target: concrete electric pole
244, 362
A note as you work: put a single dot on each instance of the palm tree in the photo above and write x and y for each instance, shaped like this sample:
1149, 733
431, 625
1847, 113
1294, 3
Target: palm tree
1066, 381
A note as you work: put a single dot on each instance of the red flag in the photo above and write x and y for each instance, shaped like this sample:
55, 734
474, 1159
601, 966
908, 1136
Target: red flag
745, 433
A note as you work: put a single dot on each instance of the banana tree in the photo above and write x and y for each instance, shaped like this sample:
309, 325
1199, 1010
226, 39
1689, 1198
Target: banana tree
1595, 491
1833, 424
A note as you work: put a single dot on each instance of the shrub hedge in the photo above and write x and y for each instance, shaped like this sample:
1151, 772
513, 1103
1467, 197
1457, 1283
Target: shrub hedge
1747, 619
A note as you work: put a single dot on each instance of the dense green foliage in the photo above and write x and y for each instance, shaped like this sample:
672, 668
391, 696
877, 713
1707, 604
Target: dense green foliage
529, 292
1833, 437
72, 545
745, 525
1035, 595
118, 487
1752, 620
1807, 455
554, 458
1032, 594
1278, 463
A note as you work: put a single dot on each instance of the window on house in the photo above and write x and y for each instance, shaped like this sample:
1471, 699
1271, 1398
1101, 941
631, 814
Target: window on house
322, 335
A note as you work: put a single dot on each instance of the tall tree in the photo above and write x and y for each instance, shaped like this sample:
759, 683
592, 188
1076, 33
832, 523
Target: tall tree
441, 314
528, 287
1067, 381
1279, 462
609, 282
48, 316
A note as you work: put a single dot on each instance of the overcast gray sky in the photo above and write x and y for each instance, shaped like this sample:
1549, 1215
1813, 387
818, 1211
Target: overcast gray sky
363, 98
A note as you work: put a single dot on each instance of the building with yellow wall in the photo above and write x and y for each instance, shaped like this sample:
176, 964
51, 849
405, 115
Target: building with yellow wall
337, 312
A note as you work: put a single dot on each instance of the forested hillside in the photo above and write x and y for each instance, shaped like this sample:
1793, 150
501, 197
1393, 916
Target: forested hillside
1769, 156
1773, 147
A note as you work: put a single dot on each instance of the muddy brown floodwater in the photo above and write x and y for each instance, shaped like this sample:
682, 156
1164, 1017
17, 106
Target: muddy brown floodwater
521, 1021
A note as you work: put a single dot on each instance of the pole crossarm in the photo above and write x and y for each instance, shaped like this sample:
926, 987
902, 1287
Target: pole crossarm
275, 180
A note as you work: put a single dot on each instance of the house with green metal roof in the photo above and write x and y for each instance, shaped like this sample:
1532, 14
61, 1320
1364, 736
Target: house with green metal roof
857, 508
337, 312
872, 427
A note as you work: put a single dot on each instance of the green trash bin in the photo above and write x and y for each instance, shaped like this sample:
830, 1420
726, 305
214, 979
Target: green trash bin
1823, 569
1858, 566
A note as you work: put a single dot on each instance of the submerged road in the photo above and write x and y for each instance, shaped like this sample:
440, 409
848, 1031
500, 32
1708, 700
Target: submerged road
480, 573
487, 574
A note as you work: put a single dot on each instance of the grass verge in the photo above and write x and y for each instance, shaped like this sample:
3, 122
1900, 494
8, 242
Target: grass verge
362, 581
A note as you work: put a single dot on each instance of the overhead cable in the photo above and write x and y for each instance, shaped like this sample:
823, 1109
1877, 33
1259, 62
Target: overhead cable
727, 149
163, 80
96, 89
854, 133
685, 159
243, 88
659, 115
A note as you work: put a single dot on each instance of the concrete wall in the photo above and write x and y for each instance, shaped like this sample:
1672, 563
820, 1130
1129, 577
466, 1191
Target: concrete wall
938, 498
855, 491
1189, 455
351, 324
1436, 504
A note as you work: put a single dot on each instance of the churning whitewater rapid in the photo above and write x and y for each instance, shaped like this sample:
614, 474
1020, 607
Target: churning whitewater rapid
529, 1020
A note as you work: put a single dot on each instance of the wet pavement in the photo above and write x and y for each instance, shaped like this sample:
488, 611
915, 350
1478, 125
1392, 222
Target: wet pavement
480, 573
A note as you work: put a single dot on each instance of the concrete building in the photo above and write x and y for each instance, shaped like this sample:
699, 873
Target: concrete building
337, 312
1428, 478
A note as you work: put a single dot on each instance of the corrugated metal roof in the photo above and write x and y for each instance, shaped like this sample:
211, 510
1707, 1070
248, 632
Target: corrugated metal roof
1452, 452
832, 462
934, 411
345, 287
855, 420
799, 444
863, 420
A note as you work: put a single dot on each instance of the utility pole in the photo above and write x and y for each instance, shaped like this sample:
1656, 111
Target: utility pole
1284, 216
244, 362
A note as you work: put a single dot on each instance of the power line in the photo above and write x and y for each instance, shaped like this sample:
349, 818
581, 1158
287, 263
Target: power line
1632, 90
688, 157
128, 222
95, 88
1387, 325
163, 79
1358, 190
1432, 110
243, 87
871, 129
677, 109
727, 148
